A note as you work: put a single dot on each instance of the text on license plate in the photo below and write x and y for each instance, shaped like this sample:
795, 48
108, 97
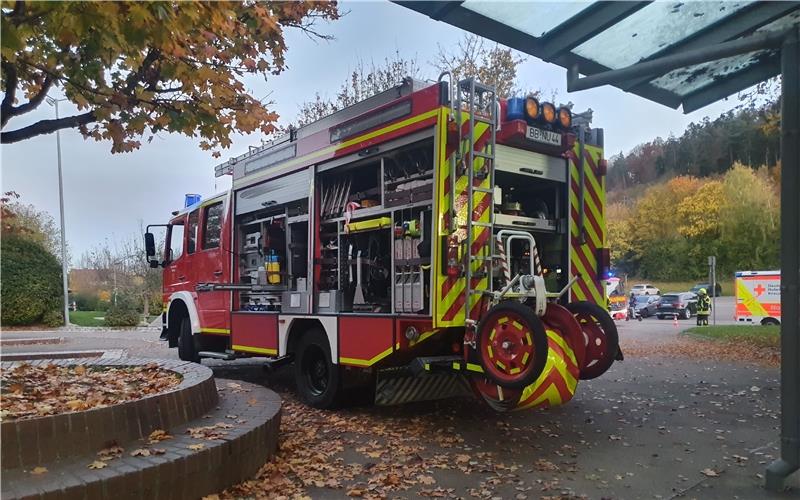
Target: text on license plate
544, 136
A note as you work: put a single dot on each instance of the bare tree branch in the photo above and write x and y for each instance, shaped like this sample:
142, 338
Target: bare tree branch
33, 103
46, 127
11, 92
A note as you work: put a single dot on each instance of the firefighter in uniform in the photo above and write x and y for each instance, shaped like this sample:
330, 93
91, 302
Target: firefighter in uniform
703, 307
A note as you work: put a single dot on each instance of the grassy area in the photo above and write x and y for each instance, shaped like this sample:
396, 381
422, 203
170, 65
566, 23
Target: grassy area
682, 286
761, 336
86, 318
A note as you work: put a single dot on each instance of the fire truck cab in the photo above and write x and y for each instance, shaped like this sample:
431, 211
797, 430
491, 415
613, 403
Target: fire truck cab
430, 241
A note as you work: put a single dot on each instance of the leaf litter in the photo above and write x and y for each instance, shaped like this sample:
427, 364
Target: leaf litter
28, 391
362, 453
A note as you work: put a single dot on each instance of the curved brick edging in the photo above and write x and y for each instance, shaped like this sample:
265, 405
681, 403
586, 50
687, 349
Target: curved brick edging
180, 472
32, 442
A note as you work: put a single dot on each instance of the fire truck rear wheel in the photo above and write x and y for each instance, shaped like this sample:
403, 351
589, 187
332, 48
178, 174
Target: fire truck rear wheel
318, 379
187, 350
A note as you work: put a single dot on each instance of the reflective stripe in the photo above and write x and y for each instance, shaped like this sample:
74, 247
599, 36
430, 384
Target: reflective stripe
218, 331
257, 350
365, 362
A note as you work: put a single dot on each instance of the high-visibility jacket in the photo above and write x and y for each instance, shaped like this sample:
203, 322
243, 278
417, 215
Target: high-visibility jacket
703, 305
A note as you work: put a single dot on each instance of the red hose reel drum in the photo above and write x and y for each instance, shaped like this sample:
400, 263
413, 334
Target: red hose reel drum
600, 335
512, 345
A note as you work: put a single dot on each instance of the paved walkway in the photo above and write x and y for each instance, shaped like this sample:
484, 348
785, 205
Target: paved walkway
652, 427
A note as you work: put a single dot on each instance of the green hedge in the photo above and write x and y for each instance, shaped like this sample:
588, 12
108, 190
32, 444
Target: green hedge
124, 313
31, 289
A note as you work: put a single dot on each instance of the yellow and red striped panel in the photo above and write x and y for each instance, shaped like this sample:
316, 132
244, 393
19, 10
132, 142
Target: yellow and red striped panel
557, 383
450, 295
583, 256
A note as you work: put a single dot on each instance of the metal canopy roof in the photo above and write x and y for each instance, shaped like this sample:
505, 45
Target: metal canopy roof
592, 38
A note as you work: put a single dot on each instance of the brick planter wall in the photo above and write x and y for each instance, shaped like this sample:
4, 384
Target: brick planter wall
31, 442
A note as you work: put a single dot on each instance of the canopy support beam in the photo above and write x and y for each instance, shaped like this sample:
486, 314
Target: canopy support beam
781, 469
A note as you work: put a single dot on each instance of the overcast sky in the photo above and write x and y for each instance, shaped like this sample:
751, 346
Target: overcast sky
106, 196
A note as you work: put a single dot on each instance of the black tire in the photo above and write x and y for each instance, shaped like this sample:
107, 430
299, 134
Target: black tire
187, 350
604, 321
687, 313
538, 338
770, 322
318, 379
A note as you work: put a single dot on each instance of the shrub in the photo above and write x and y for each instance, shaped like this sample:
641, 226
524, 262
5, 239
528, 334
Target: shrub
86, 301
123, 313
121, 317
53, 318
31, 281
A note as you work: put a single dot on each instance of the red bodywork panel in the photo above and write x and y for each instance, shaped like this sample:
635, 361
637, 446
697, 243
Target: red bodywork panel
363, 341
257, 331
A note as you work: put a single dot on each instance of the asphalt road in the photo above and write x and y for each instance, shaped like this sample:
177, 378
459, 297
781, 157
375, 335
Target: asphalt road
652, 427
653, 329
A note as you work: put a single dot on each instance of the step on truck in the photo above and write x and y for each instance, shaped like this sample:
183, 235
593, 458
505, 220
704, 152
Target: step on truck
431, 241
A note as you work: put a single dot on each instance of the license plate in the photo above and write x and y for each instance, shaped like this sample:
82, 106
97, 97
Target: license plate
544, 136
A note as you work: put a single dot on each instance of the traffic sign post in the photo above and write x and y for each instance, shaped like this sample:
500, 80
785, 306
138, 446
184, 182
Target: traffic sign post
712, 278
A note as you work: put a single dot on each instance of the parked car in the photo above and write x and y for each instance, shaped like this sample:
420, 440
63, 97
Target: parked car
646, 305
683, 304
717, 289
645, 289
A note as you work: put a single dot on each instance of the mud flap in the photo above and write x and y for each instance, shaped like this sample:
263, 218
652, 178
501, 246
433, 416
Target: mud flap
399, 385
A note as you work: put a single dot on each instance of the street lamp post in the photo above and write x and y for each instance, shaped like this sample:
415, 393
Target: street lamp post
54, 103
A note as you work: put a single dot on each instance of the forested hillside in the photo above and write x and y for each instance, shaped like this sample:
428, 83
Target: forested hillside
712, 191
750, 136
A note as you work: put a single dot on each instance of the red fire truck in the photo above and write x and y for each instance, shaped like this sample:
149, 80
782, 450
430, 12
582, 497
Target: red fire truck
430, 241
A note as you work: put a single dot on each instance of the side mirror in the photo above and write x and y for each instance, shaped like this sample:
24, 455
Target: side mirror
150, 249
149, 245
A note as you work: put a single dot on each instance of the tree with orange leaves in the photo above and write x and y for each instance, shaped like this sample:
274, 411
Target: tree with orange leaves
137, 68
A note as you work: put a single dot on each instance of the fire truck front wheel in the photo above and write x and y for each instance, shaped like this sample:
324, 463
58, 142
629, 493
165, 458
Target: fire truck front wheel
318, 379
187, 350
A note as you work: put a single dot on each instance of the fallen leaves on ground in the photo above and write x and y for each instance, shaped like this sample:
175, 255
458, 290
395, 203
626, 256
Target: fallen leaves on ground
32, 391
696, 348
110, 453
38, 470
365, 453
98, 464
709, 473
140, 452
158, 435
210, 432
196, 447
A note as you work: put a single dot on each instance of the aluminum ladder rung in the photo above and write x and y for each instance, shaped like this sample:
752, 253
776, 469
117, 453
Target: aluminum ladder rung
483, 190
482, 224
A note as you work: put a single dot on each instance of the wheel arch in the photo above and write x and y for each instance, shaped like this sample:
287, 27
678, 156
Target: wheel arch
290, 329
181, 304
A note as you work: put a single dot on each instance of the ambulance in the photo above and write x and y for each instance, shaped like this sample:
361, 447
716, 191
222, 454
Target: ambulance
758, 297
